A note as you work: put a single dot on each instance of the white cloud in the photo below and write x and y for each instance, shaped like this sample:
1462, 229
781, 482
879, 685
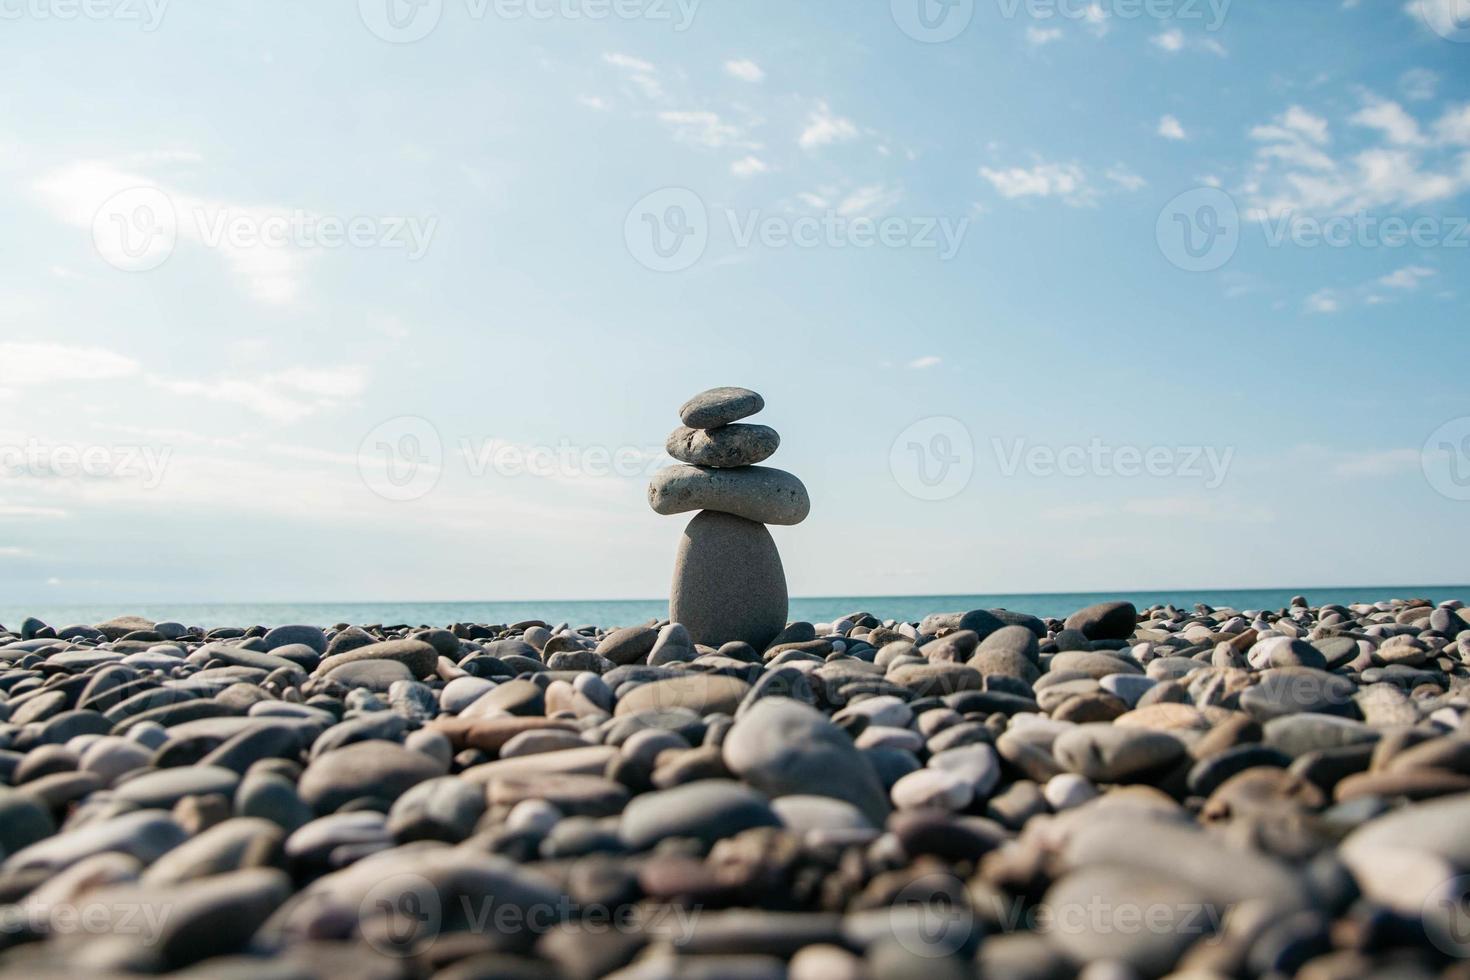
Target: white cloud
703, 128
628, 63
920, 363
1389, 118
1043, 35
1418, 84
271, 272
1067, 181
12, 551
1125, 178
823, 128
643, 74
869, 201
596, 102
1171, 129
39, 364
27, 510
283, 396
1454, 126
1323, 301
745, 70
1295, 171
1171, 40
1409, 277
751, 166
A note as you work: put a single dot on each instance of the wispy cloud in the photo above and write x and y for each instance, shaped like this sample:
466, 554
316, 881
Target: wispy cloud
1066, 181
929, 361
703, 128
825, 127
750, 166
1296, 171
1043, 35
44, 364
282, 396
643, 75
745, 70
1171, 129
1323, 301
1409, 277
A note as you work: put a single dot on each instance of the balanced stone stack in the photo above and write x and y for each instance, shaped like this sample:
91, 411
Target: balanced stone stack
728, 581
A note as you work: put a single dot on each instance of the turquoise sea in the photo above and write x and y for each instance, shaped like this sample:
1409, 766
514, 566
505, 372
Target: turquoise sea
624, 612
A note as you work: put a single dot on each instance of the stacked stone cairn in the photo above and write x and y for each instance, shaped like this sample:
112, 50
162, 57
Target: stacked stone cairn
728, 581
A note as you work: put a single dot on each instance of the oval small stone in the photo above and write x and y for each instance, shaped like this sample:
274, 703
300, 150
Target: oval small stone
723, 447
720, 406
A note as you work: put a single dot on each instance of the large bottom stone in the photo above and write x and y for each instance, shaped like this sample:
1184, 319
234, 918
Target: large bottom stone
728, 582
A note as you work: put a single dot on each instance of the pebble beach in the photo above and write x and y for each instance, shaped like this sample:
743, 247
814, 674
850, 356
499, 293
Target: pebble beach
1201, 792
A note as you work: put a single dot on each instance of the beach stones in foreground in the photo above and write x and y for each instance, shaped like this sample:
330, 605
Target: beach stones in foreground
1183, 793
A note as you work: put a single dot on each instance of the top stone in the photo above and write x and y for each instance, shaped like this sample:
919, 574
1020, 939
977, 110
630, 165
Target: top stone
720, 406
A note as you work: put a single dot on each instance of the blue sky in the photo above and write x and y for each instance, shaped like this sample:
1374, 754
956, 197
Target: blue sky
288, 290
